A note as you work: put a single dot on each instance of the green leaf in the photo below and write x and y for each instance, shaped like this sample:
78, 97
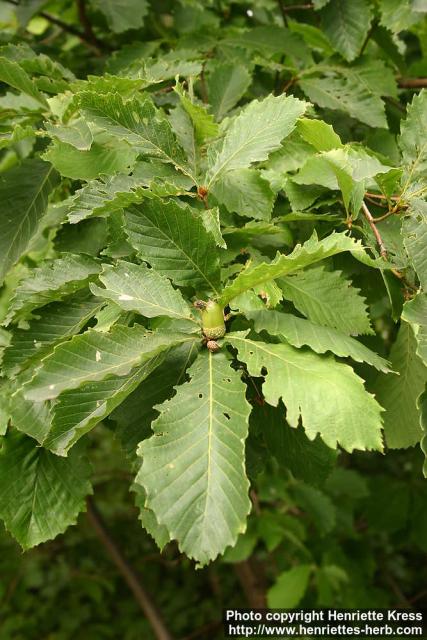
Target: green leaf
413, 144
302, 256
173, 239
14, 135
77, 134
346, 169
226, 85
4, 407
136, 121
32, 418
107, 83
414, 231
292, 154
398, 394
100, 159
212, 224
54, 323
203, 122
319, 4
245, 192
122, 15
196, 458
397, 15
415, 312
52, 281
346, 93
135, 415
289, 588
24, 192
326, 298
330, 169
254, 134
40, 494
170, 65
270, 40
290, 446
186, 136
346, 23
135, 287
319, 134
317, 505
422, 405
299, 332
34, 63
157, 531
78, 411
102, 197
328, 396
94, 355
13, 74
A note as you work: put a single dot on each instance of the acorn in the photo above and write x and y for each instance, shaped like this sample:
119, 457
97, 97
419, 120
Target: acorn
213, 325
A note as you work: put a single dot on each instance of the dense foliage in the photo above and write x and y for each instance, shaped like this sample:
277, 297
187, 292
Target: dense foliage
213, 272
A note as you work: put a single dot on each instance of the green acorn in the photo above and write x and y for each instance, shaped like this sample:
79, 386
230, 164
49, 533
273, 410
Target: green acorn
213, 325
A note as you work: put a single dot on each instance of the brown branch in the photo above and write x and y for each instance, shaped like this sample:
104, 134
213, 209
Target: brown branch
417, 597
297, 7
250, 584
68, 28
402, 600
377, 203
412, 83
395, 103
384, 217
380, 196
206, 631
128, 573
289, 83
203, 88
87, 27
282, 8
371, 221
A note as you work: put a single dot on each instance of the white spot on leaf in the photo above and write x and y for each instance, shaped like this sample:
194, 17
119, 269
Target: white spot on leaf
124, 296
98, 356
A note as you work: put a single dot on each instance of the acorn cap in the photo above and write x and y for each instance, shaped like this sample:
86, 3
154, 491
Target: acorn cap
214, 333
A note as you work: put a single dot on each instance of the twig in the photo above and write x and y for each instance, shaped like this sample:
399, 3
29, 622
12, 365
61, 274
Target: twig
255, 501
371, 221
250, 585
417, 597
206, 631
366, 40
381, 204
282, 8
297, 7
68, 28
380, 196
87, 27
128, 573
203, 88
412, 83
402, 600
395, 103
289, 83
384, 217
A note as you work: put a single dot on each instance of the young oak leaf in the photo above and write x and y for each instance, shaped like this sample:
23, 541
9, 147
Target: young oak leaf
327, 395
193, 466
